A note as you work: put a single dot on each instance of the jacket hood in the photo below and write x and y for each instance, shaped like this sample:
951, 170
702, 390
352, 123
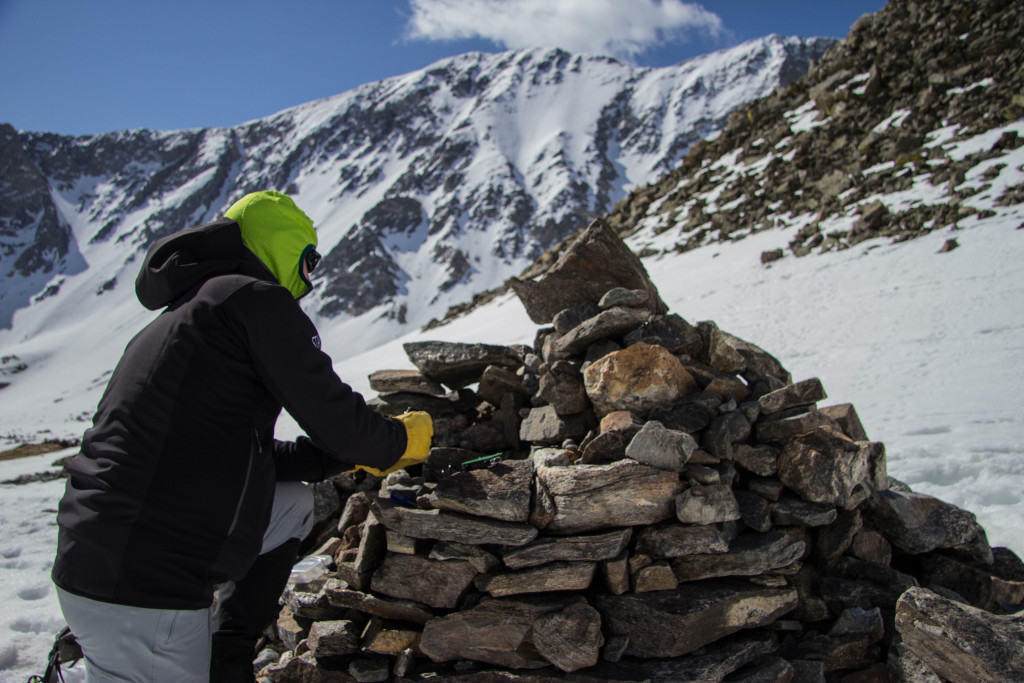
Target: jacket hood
179, 262
279, 233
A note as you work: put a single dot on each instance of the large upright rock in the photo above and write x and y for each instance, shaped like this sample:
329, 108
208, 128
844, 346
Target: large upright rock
596, 262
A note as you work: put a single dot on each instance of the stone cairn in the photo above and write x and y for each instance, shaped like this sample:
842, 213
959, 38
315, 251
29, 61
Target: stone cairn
638, 498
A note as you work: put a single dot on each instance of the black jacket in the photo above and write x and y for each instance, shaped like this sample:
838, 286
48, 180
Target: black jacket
173, 486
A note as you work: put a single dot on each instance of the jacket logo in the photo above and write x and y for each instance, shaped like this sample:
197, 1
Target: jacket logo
316, 341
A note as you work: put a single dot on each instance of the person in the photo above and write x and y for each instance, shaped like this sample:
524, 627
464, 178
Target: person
180, 488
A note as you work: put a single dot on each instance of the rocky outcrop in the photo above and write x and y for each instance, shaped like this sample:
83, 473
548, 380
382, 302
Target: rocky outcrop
701, 520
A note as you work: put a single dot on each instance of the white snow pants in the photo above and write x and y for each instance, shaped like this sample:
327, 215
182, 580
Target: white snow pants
140, 645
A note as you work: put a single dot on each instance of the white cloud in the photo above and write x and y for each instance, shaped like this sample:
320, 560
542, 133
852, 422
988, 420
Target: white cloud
621, 28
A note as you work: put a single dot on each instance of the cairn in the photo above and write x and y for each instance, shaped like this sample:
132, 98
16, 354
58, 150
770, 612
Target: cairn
639, 498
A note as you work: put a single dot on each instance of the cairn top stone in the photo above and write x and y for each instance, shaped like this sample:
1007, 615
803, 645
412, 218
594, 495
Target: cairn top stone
596, 262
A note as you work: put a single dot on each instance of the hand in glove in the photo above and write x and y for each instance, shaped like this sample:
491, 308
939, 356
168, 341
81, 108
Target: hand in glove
419, 430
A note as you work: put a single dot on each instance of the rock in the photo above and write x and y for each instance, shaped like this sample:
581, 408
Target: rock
497, 631
380, 638
657, 576
676, 540
592, 547
288, 629
707, 505
768, 488
755, 511
370, 670
846, 417
791, 511
562, 387
675, 623
557, 576
762, 460
728, 387
785, 427
724, 431
615, 574
610, 324
410, 577
333, 638
749, 554
501, 491
832, 541
571, 637
857, 621
412, 381
666, 449
481, 560
918, 523
401, 610
450, 526
769, 670
730, 354
588, 497
458, 364
303, 669
497, 381
871, 546
569, 318
620, 296
545, 426
357, 507
799, 395
960, 642
692, 414
978, 585
614, 648
639, 379
715, 662
597, 261
824, 466
671, 332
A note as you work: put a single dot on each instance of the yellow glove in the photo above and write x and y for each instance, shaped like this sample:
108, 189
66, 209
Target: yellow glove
419, 430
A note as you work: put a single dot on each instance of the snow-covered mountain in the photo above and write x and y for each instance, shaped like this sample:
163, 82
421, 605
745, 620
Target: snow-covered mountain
426, 188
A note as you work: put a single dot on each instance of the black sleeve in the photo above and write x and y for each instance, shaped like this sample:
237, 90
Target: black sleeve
301, 460
285, 350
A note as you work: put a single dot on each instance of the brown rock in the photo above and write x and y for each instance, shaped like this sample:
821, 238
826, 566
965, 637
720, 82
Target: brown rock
615, 574
592, 547
409, 577
382, 638
401, 610
497, 381
799, 395
557, 576
588, 497
824, 466
597, 261
571, 638
846, 417
413, 381
333, 638
676, 540
707, 505
451, 526
639, 378
918, 523
657, 576
562, 387
675, 623
749, 555
761, 460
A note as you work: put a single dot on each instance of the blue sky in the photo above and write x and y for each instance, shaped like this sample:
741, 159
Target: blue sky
91, 66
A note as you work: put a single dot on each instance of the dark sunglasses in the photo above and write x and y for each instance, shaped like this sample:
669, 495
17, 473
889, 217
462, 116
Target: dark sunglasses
312, 259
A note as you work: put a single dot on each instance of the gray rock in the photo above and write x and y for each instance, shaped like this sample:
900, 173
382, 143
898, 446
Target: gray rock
548, 578
620, 296
481, 560
496, 381
730, 354
960, 642
569, 318
707, 505
761, 460
458, 364
792, 511
370, 670
610, 324
724, 431
570, 638
562, 387
545, 426
754, 510
785, 427
339, 595
657, 446
750, 554
672, 332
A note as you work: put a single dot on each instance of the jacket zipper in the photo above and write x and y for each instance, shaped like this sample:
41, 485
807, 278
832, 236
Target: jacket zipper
245, 483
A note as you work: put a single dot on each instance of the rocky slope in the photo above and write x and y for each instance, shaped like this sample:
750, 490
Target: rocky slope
427, 186
919, 98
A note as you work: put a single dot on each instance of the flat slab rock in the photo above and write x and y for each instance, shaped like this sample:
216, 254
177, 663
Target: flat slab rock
548, 578
519, 634
501, 491
458, 364
582, 498
410, 577
591, 547
750, 554
675, 623
441, 525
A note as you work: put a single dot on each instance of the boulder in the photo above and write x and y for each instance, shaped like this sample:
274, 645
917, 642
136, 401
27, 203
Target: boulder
640, 379
960, 642
657, 446
824, 466
597, 261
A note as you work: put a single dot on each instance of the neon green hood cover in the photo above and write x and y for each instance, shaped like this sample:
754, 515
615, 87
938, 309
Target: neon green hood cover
278, 232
